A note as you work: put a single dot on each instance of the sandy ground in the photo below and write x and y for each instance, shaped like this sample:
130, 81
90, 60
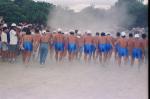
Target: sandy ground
72, 80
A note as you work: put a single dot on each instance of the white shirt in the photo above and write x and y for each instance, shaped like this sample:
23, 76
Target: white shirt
13, 37
4, 37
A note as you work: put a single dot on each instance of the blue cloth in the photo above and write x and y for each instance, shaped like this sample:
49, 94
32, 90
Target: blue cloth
59, 46
102, 48
123, 52
8, 37
137, 53
27, 45
72, 47
43, 52
88, 49
93, 48
108, 47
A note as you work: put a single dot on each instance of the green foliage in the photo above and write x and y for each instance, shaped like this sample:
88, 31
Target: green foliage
37, 12
25, 10
136, 9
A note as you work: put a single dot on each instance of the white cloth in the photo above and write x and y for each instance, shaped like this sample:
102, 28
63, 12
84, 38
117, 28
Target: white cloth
4, 37
13, 37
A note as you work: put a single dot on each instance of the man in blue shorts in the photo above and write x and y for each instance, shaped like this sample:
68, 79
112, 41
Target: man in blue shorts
102, 47
59, 45
88, 41
123, 49
72, 45
138, 49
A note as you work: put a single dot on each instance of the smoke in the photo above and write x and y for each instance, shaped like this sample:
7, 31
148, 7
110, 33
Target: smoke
90, 18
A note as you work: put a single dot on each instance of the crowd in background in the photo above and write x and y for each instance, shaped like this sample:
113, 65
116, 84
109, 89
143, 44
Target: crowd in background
36, 41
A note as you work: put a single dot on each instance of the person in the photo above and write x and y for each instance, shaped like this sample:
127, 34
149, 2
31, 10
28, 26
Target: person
130, 45
36, 43
65, 44
138, 50
44, 46
80, 45
13, 43
116, 45
27, 46
72, 45
123, 48
88, 41
59, 45
4, 43
52, 44
102, 47
95, 45
145, 46
109, 45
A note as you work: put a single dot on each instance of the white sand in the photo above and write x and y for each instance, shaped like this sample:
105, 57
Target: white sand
75, 80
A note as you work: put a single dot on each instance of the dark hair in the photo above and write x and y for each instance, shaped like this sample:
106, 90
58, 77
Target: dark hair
5, 28
36, 30
72, 33
123, 36
102, 34
13, 27
144, 36
28, 32
97, 33
76, 31
130, 35
60, 32
118, 34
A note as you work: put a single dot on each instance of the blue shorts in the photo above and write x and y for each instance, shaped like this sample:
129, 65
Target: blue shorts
117, 46
93, 48
27, 45
59, 46
102, 48
72, 47
108, 47
137, 53
88, 49
123, 52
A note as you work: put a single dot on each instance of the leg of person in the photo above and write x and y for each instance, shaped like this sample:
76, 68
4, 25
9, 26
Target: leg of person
69, 52
61, 49
100, 53
85, 52
119, 56
45, 54
41, 54
126, 56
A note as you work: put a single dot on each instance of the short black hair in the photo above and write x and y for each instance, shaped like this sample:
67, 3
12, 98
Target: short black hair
144, 35
97, 33
36, 30
130, 35
76, 31
59, 32
102, 34
28, 32
72, 33
5, 28
118, 34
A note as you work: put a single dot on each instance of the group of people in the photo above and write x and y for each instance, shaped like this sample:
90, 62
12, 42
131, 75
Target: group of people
36, 42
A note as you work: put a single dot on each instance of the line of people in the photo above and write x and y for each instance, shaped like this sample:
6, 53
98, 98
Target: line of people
31, 41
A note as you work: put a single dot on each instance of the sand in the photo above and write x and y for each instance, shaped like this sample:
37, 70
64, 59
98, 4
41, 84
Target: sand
72, 80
